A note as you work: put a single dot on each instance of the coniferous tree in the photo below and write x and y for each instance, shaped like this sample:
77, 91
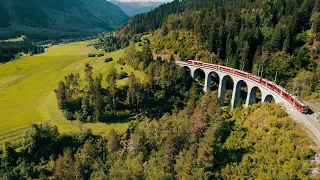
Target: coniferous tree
113, 141
61, 95
147, 55
112, 86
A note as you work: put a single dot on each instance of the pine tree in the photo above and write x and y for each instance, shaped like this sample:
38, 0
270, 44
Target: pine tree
147, 55
164, 30
113, 141
287, 41
131, 52
230, 46
206, 147
64, 166
277, 37
212, 40
97, 99
61, 95
112, 86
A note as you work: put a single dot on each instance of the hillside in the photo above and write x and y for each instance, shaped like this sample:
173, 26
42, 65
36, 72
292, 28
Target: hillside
152, 20
52, 19
132, 113
266, 38
37, 76
133, 8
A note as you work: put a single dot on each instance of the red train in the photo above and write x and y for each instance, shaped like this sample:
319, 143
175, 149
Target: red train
294, 100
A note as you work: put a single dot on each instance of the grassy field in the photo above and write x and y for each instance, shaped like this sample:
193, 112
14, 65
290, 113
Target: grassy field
27, 89
14, 39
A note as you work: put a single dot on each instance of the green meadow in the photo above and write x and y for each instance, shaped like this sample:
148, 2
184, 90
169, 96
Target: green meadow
14, 39
27, 89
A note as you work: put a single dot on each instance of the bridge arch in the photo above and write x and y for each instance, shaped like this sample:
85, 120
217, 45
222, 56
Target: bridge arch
252, 95
212, 81
226, 82
199, 75
238, 94
190, 69
187, 69
269, 98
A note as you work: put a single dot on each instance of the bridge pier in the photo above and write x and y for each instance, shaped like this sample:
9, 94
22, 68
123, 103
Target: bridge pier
236, 93
207, 81
222, 89
192, 71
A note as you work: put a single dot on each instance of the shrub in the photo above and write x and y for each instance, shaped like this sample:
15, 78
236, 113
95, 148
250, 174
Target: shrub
108, 60
91, 55
123, 75
121, 61
315, 95
68, 115
123, 114
100, 55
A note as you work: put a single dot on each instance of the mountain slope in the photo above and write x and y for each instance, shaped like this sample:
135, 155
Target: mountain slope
133, 8
58, 18
152, 20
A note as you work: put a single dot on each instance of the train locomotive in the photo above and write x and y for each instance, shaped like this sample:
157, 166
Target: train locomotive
294, 100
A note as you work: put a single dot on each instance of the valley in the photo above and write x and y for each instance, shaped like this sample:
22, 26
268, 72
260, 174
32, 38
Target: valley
193, 89
27, 87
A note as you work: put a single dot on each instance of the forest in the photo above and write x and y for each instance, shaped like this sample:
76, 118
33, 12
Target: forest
201, 141
57, 19
110, 42
166, 87
266, 38
13, 50
150, 21
178, 131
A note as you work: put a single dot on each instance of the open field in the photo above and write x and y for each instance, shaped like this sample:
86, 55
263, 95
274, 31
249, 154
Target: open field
14, 39
27, 88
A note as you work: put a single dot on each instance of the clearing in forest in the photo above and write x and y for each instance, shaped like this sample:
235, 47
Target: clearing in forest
27, 88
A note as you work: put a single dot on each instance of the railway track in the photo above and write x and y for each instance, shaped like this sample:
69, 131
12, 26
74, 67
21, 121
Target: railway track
315, 124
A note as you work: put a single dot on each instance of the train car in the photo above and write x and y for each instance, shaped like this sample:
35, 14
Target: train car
241, 73
292, 99
298, 104
213, 66
285, 95
255, 78
270, 85
226, 69
197, 63
263, 82
278, 89
206, 65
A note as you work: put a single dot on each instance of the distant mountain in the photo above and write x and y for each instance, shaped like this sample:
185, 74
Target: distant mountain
133, 8
51, 19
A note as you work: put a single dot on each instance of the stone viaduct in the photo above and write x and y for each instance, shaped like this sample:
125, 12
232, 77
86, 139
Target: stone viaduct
238, 81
